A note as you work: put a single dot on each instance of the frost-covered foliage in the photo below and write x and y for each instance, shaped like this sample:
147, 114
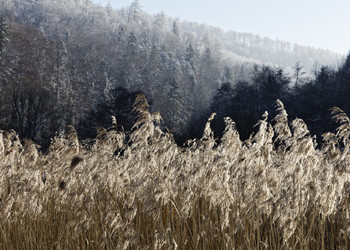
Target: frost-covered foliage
74, 62
276, 189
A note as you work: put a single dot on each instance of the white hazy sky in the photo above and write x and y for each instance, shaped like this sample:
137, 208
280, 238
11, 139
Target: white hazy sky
318, 23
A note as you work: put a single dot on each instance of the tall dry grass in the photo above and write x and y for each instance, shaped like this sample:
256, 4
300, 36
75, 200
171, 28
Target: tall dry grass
276, 190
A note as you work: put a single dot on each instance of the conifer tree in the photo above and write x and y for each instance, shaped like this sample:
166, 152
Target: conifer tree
4, 35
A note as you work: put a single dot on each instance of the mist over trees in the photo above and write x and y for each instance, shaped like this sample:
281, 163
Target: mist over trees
76, 63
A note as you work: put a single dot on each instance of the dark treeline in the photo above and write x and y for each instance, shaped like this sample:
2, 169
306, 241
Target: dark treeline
307, 97
74, 63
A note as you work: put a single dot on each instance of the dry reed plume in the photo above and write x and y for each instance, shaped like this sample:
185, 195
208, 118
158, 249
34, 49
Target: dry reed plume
142, 191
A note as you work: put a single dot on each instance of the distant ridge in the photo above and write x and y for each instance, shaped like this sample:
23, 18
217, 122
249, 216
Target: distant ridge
248, 47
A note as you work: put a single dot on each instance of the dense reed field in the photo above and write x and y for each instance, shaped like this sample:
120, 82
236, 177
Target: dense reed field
277, 190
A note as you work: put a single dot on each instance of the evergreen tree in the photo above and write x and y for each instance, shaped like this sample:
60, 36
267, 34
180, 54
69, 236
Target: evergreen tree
153, 74
343, 80
326, 90
4, 35
176, 113
119, 104
175, 28
227, 76
271, 84
244, 111
222, 105
299, 77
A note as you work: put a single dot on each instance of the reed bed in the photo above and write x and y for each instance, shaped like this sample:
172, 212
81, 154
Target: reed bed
276, 190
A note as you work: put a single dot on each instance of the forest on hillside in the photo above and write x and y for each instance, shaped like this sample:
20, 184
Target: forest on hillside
163, 134
76, 63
